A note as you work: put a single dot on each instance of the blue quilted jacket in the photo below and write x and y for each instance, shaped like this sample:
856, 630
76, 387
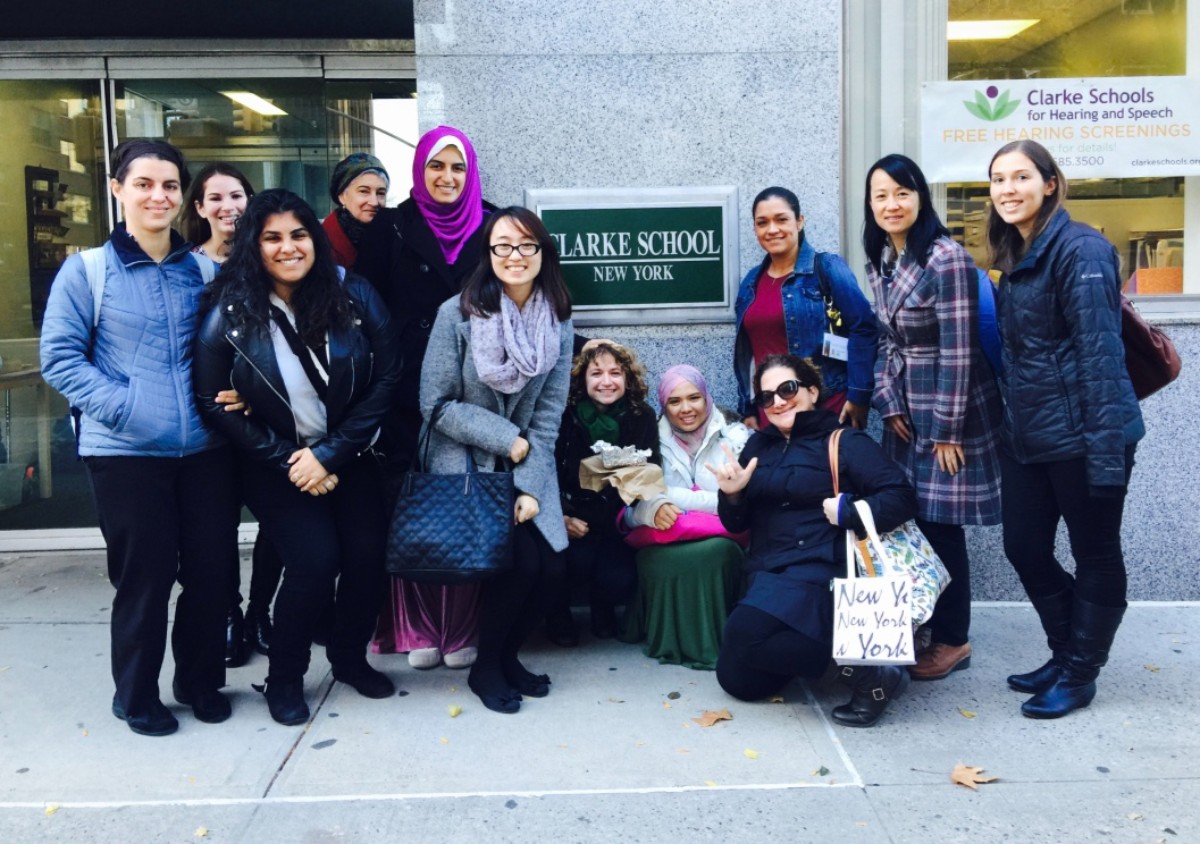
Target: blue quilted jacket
132, 375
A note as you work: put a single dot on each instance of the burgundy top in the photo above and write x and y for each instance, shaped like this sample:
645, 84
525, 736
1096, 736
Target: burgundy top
764, 325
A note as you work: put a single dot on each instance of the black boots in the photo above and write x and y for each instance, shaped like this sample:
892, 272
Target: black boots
236, 652
1054, 611
257, 629
872, 688
285, 700
1092, 631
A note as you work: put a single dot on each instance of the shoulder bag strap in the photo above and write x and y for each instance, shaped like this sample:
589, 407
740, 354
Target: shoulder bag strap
834, 439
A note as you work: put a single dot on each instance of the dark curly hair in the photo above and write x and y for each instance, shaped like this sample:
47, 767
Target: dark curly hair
635, 375
319, 302
192, 226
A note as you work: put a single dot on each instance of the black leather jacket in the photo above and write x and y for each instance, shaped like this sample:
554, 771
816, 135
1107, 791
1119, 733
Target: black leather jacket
232, 352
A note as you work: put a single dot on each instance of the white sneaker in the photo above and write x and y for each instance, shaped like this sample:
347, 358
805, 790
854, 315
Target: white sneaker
462, 658
425, 658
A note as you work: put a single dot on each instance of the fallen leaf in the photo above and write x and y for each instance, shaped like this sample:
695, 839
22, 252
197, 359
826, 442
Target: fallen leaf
750, 754
674, 695
682, 750
711, 783
860, 823
666, 705
5, 667
444, 740
966, 713
1134, 816
709, 717
201, 832
562, 746
454, 709
51, 808
968, 776
639, 744
85, 733
821, 772
1153, 669
775, 699
615, 700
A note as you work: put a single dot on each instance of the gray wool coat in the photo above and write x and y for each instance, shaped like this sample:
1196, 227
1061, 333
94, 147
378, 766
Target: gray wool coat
485, 422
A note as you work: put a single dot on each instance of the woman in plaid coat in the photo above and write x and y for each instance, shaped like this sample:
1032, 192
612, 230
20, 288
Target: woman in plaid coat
933, 387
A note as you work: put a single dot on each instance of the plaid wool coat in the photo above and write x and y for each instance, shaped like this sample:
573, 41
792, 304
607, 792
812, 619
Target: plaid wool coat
932, 372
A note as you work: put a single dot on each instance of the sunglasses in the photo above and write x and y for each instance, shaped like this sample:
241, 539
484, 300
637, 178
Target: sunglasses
787, 390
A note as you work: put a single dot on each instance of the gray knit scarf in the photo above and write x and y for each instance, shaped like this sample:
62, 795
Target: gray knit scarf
515, 344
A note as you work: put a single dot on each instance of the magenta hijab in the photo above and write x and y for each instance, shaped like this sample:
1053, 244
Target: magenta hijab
451, 224
671, 379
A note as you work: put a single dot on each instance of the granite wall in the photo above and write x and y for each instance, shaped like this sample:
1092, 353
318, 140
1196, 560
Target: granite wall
710, 92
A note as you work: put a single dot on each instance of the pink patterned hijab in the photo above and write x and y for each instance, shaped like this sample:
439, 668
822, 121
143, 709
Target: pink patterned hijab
684, 374
451, 224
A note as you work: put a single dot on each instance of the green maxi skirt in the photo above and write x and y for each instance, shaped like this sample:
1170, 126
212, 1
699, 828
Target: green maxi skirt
684, 594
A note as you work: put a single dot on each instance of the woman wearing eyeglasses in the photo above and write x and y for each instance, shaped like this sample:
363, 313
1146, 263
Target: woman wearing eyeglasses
418, 255
781, 489
497, 370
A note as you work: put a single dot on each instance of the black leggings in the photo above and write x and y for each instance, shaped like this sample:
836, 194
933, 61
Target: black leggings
951, 621
1034, 498
760, 654
514, 604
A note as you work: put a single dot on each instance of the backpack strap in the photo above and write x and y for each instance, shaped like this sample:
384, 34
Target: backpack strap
208, 267
95, 265
833, 315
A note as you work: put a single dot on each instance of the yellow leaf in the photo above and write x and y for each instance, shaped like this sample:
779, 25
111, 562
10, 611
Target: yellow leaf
750, 754
85, 733
51, 808
454, 709
201, 832
444, 740
711, 783
709, 717
666, 705
1153, 669
966, 713
968, 776
681, 750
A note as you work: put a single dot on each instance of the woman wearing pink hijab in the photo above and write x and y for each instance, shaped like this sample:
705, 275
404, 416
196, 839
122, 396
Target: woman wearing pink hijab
418, 255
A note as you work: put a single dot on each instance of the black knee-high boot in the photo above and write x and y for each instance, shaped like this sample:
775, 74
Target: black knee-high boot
1055, 614
1093, 628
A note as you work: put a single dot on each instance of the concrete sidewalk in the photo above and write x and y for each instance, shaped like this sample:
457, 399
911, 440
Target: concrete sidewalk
611, 754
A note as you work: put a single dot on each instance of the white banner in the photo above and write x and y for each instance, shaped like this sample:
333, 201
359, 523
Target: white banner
1112, 127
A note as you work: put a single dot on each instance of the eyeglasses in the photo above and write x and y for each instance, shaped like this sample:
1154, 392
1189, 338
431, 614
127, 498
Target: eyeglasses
787, 390
503, 250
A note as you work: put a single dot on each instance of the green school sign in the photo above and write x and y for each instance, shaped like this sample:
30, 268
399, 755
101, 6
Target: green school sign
657, 255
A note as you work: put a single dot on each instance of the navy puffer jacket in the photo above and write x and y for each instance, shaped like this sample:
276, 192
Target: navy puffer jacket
1066, 391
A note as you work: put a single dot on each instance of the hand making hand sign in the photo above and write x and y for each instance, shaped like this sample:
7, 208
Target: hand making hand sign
731, 476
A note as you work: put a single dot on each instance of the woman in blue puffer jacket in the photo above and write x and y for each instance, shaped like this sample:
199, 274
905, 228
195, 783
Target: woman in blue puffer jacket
1071, 421
163, 483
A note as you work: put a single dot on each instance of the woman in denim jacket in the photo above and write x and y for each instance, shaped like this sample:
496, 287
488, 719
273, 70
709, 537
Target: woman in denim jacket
805, 303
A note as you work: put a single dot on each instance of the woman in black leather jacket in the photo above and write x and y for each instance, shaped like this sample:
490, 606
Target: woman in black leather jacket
1071, 421
315, 357
781, 489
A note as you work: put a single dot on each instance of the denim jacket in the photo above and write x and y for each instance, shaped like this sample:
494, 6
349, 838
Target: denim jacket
804, 313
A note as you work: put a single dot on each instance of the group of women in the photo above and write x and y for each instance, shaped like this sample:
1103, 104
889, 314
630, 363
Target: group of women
299, 381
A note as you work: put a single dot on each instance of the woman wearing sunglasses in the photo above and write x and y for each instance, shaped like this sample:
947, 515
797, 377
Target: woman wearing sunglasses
781, 490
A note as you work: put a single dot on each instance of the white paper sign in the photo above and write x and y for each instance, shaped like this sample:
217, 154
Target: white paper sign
1112, 127
872, 621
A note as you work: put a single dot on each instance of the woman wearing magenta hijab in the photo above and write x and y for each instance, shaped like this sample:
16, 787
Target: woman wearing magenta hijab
418, 255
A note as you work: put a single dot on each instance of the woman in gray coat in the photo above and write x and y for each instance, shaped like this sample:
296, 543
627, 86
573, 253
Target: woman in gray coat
497, 369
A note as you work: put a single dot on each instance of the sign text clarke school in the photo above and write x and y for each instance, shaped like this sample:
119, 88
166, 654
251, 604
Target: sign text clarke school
655, 248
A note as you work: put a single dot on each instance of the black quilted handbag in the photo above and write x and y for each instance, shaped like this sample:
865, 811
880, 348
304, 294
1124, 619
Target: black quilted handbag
451, 528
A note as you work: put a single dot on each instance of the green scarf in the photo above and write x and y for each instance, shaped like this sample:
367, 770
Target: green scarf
601, 424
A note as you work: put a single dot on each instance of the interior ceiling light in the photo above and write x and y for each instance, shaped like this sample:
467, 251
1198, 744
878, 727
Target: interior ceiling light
986, 30
255, 103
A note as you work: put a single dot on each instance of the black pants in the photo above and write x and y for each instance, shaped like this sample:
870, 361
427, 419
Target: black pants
166, 519
760, 654
513, 604
951, 620
266, 569
1034, 498
604, 567
322, 539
